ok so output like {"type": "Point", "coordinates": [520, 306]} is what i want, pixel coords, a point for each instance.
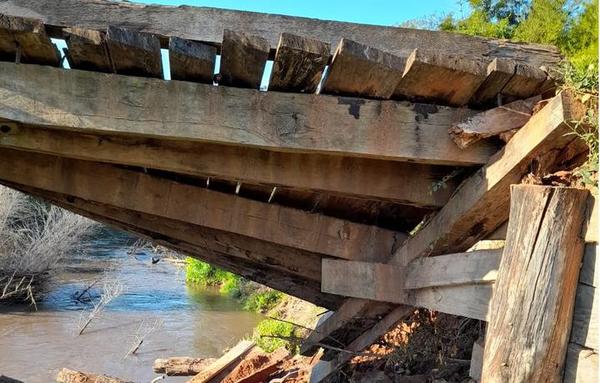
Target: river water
{"type": "Point", "coordinates": [196, 322]}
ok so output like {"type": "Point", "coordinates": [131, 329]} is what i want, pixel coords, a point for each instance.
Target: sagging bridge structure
{"type": "Point", "coordinates": [357, 180]}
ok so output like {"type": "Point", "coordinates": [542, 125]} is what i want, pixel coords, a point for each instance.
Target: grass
{"type": "Point", "coordinates": [271, 334]}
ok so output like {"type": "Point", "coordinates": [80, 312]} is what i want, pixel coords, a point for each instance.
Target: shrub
{"type": "Point", "coordinates": [267, 333]}
{"type": "Point", "coordinates": [263, 301]}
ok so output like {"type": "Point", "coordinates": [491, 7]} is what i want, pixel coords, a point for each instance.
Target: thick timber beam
{"type": "Point", "coordinates": [50, 97]}
{"type": "Point", "coordinates": [481, 203]}
{"type": "Point", "coordinates": [207, 25]}
{"type": "Point", "coordinates": [255, 260]}
{"type": "Point", "coordinates": [197, 205]}
{"type": "Point", "coordinates": [534, 296]}
{"type": "Point", "coordinates": [400, 182]}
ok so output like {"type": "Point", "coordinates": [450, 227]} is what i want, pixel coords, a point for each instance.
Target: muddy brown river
{"type": "Point", "coordinates": [197, 322]}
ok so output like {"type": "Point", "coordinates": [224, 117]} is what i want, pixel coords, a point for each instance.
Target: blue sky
{"type": "Point", "coordinates": [379, 12]}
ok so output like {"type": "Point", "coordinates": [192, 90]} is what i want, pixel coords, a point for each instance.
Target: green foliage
{"type": "Point", "coordinates": [269, 333]}
{"type": "Point", "coordinates": [204, 274]}
{"type": "Point", "coordinates": [263, 301]}
{"type": "Point", "coordinates": [545, 22]}
{"type": "Point", "coordinates": [478, 24]}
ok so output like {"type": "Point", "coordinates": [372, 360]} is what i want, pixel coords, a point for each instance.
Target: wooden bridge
{"type": "Point", "coordinates": [356, 180]}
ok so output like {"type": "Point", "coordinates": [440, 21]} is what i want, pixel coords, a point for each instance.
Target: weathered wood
{"type": "Point", "coordinates": [534, 295]}
{"type": "Point", "coordinates": [299, 63]}
{"type": "Point", "coordinates": [481, 203]}
{"type": "Point", "coordinates": [26, 38]}
{"type": "Point", "coordinates": [360, 70]}
{"type": "Point", "coordinates": [220, 364]}
{"type": "Point", "coordinates": [181, 366]}
{"type": "Point", "coordinates": [134, 53]}
{"type": "Point", "coordinates": [586, 316]}
{"type": "Point", "coordinates": [477, 360]}
{"type": "Point", "coordinates": [254, 261]}
{"type": "Point", "coordinates": [581, 365]}
{"type": "Point", "coordinates": [243, 59]}
{"type": "Point", "coordinates": [207, 25]}
{"type": "Point", "coordinates": [87, 50]}
{"type": "Point", "coordinates": [191, 61]}
{"type": "Point", "coordinates": [367, 178]}
{"type": "Point", "coordinates": [257, 368]}
{"type": "Point", "coordinates": [436, 77]}
{"type": "Point", "coordinates": [492, 122]}
{"type": "Point", "coordinates": [525, 82]}
{"type": "Point", "coordinates": [70, 376]}
{"type": "Point", "coordinates": [471, 301]}
{"type": "Point", "coordinates": [198, 205]}
{"type": "Point", "coordinates": [278, 121]}
{"type": "Point", "coordinates": [499, 72]}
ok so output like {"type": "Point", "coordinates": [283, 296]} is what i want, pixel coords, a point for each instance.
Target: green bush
{"type": "Point", "coordinates": [263, 301]}
{"type": "Point", "coordinates": [264, 332]}
{"type": "Point", "coordinates": [204, 274]}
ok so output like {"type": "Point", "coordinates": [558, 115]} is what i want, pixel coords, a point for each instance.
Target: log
{"type": "Point", "coordinates": [534, 295]}
{"type": "Point", "coordinates": [360, 70]}
{"type": "Point", "coordinates": [191, 61]}
{"type": "Point", "coordinates": [179, 110]}
{"type": "Point", "coordinates": [298, 65]}
{"type": "Point", "coordinates": [231, 356]}
{"type": "Point", "coordinates": [492, 122]}
{"type": "Point", "coordinates": [71, 376]}
{"type": "Point", "coordinates": [207, 25]}
{"type": "Point", "coordinates": [134, 53]}
{"type": "Point", "coordinates": [181, 366]}
{"type": "Point", "coordinates": [243, 59]}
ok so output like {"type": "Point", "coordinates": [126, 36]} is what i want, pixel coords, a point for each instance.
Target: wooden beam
{"type": "Point", "coordinates": [360, 70]}
{"type": "Point", "coordinates": [499, 72]}
{"type": "Point", "coordinates": [88, 50]}
{"type": "Point", "coordinates": [298, 65]}
{"type": "Point", "coordinates": [359, 177]}
{"type": "Point", "coordinates": [26, 38]}
{"type": "Point", "coordinates": [191, 61]}
{"type": "Point", "coordinates": [207, 25]}
{"type": "Point", "coordinates": [476, 360]}
{"type": "Point", "coordinates": [492, 122]}
{"type": "Point", "coordinates": [525, 82]}
{"type": "Point", "coordinates": [197, 205]}
{"type": "Point", "coordinates": [243, 59]}
{"type": "Point", "coordinates": [220, 364]}
{"type": "Point", "coordinates": [255, 260]}
{"type": "Point", "coordinates": [124, 105]}
{"type": "Point", "coordinates": [445, 79]}
{"type": "Point", "coordinates": [481, 203]}
{"type": "Point", "coordinates": [134, 53]}
{"type": "Point", "coordinates": [534, 295]}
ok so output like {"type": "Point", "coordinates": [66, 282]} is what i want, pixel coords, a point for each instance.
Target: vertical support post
{"type": "Point", "coordinates": [534, 295]}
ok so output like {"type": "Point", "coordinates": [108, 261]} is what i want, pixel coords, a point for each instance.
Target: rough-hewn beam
{"type": "Point", "coordinates": [197, 205]}
{"type": "Point", "coordinates": [409, 184]}
{"type": "Point", "coordinates": [48, 96]}
{"type": "Point", "coordinates": [534, 296]}
{"type": "Point", "coordinates": [207, 24]}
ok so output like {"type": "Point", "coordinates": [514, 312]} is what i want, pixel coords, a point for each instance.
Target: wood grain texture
{"type": "Point", "coordinates": [29, 35]}
{"type": "Point", "coordinates": [581, 365]}
{"type": "Point", "coordinates": [134, 53]}
{"type": "Point", "coordinates": [231, 356]}
{"type": "Point", "coordinates": [87, 50]}
{"type": "Point", "coordinates": [492, 122]}
{"type": "Point", "coordinates": [445, 79]}
{"type": "Point", "coordinates": [207, 25]}
{"type": "Point", "coordinates": [499, 72]}
{"type": "Point", "coordinates": [360, 70]}
{"type": "Point", "coordinates": [278, 121]}
{"type": "Point", "coordinates": [525, 82]}
{"type": "Point", "coordinates": [298, 65]}
{"type": "Point", "coordinates": [170, 199]}
{"type": "Point", "coordinates": [359, 177]}
{"type": "Point", "coordinates": [191, 61]}
{"type": "Point", "coordinates": [243, 59]}
{"type": "Point", "coordinates": [534, 295]}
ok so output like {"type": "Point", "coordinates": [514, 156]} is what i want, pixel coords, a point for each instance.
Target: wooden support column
{"type": "Point", "coordinates": [532, 306]}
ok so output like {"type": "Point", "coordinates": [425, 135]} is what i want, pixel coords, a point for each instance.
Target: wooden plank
{"type": "Point", "coordinates": [368, 178]}
{"type": "Point", "coordinates": [299, 63]}
{"type": "Point", "coordinates": [435, 77]}
{"type": "Point", "coordinates": [191, 61]}
{"type": "Point", "coordinates": [207, 25]}
{"type": "Point", "coordinates": [526, 81]}
{"type": "Point", "coordinates": [198, 205]}
{"type": "Point", "coordinates": [87, 50]}
{"type": "Point", "coordinates": [29, 35]}
{"type": "Point", "coordinates": [247, 371]}
{"type": "Point", "coordinates": [360, 70]}
{"type": "Point", "coordinates": [581, 365]}
{"type": "Point", "coordinates": [477, 360]}
{"type": "Point", "coordinates": [197, 112]}
{"type": "Point", "coordinates": [481, 203]}
{"type": "Point", "coordinates": [492, 122]}
{"type": "Point", "coordinates": [585, 317]}
{"type": "Point", "coordinates": [134, 53]}
{"type": "Point", "coordinates": [590, 268]}
{"type": "Point", "coordinates": [471, 301]}
{"type": "Point", "coordinates": [499, 72]}
{"type": "Point", "coordinates": [528, 332]}
{"type": "Point", "coordinates": [253, 260]}
{"type": "Point", "coordinates": [223, 362]}
{"type": "Point", "coordinates": [243, 59]}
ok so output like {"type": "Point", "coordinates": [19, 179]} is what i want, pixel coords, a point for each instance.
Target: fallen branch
{"type": "Point", "coordinates": [110, 291]}
{"type": "Point", "coordinates": [181, 366]}
{"type": "Point", "coordinates": [71, 376]}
